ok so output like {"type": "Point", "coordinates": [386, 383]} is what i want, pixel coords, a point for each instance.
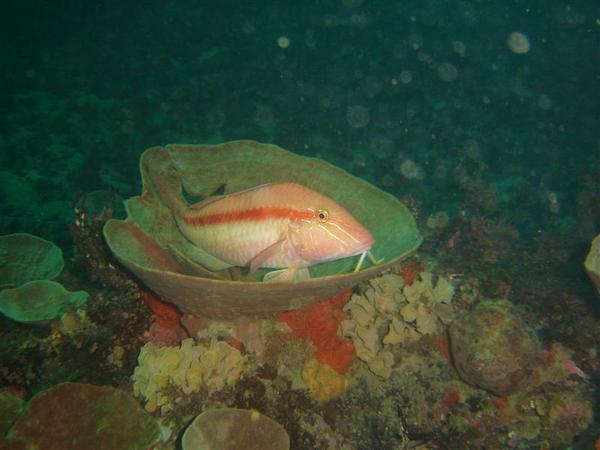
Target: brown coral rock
{"type": "Point", "coordinates": [76, 416]}
{"type": "Point", "coordinates": [492, 348]}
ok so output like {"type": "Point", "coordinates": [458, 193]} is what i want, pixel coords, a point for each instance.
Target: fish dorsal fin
{"type": "Point", "coordinates": [203, 203]}
{"type": "Point", "coordinates": [213, 198]}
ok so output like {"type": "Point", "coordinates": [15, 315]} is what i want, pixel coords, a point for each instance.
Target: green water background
{"type": "Point", "coordinates": [365, 85]}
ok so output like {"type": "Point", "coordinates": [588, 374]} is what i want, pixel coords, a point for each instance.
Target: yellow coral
{"type": "Point", "coordinates": [188, 367]}
{"type": "Point", "coordinates": [323, 382]}
{"type": "Point", "coordinates": [194, 377]}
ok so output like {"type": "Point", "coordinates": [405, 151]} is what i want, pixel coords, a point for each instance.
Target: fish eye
{"type": "Point", "coordinates": [322, 215]}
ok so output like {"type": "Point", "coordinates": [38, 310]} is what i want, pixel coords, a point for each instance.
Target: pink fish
{"type": "Point", "coordinates": [281, 226]}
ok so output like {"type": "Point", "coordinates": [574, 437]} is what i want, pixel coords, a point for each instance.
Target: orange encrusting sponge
{"type": "Point", "coordinates": [166, 329]}
{"type": "Point", "coordinates": [319, 324]}
{"type": "Point", "coordinates": [161, 310]}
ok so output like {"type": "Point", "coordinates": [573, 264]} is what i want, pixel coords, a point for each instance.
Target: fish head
{"type": "Point", "coordinates": [330, 232]}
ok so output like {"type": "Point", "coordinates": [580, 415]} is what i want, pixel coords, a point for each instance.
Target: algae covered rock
{"type": "Point", "coordinates": [24, 258]}
{"type": "Point", "coordinates": [492, 348]}
{"type": "Point", "coordinates": [76, 416]}
{"type": "Point", "coordinates": [39, 301]}
{"type": "Point", "coordinates": [234, 429]}
{"type": "Point", "coordinates": [150, 244]}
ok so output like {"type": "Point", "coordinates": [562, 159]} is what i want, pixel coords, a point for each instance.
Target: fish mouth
{"type": "Point", "coordinates": [364, 243]}
{"type": "Point", "coordinates": [363, 249]}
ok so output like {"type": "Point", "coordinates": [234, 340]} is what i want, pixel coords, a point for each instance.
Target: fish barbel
{"type": "Point", "coordinates": [281, 226]}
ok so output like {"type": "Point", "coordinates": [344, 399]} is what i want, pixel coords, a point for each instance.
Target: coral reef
{"type": "Point", "coordinates": [554, 406]}
{"type": "Point", "coordinates": [492, 348]}
{"type": "Point", "coordinates": [232, 429]}
{"type": "Point", "coordinates": [188, 368]}
{"type": "Point", "coordinates": [424, 400]}
{"type": "Point", "coordinates": [390, 312]}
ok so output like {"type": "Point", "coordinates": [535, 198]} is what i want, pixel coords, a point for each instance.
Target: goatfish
{"type": "Point", "coordinates": [284, 226]}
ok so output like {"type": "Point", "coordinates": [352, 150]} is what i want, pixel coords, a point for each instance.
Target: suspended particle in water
{"type": "Point", "coordinates": [459, 47]}
{"type": "Point", "coordinates": [283, 42]}
{"type": "Point", "coordinates": [359, 20]}
{"type": "Point", "coordinates": [357, 116]}
{"type": "Point", "coordinates": [518, 43]}
{"type": "Point", "coordinates": [415, 41]}
{"type": "Point", "coordinates": [248, 28]}
{"type": "Point", "coordinates": [411, 112]}
{"type": "Point", "coordinates": [411, 170]}
{"type": "Point", "coordinates": [382, 147]}
{"type": "Point", "coordinates": [447, 72]}
{"type": "Point", "coordinates": [553, 203]}
{"type": "Point", "coordinates": [330, 21]}
{"type": "Point", "coordinates": [309, 39]}
{"type": "Point", "coordinates": [372, 86]}
{"type": "Point", "coordinates": [425, 58]}
{"type": "Point", "coordinates": [544, 102]}
{"type": "Point", "coordinates": [438, 220]}
{"type": "Point", "coordinates": [406, 76]}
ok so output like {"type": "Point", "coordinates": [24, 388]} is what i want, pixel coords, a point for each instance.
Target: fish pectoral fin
{"type": "Point", "coordinates": [259, 259]}
{"type": "Point", "coordinates": [291, 274]}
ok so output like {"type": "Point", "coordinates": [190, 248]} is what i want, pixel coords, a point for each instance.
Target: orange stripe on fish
{"type": "Point", "coordinates": [250, 214]}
